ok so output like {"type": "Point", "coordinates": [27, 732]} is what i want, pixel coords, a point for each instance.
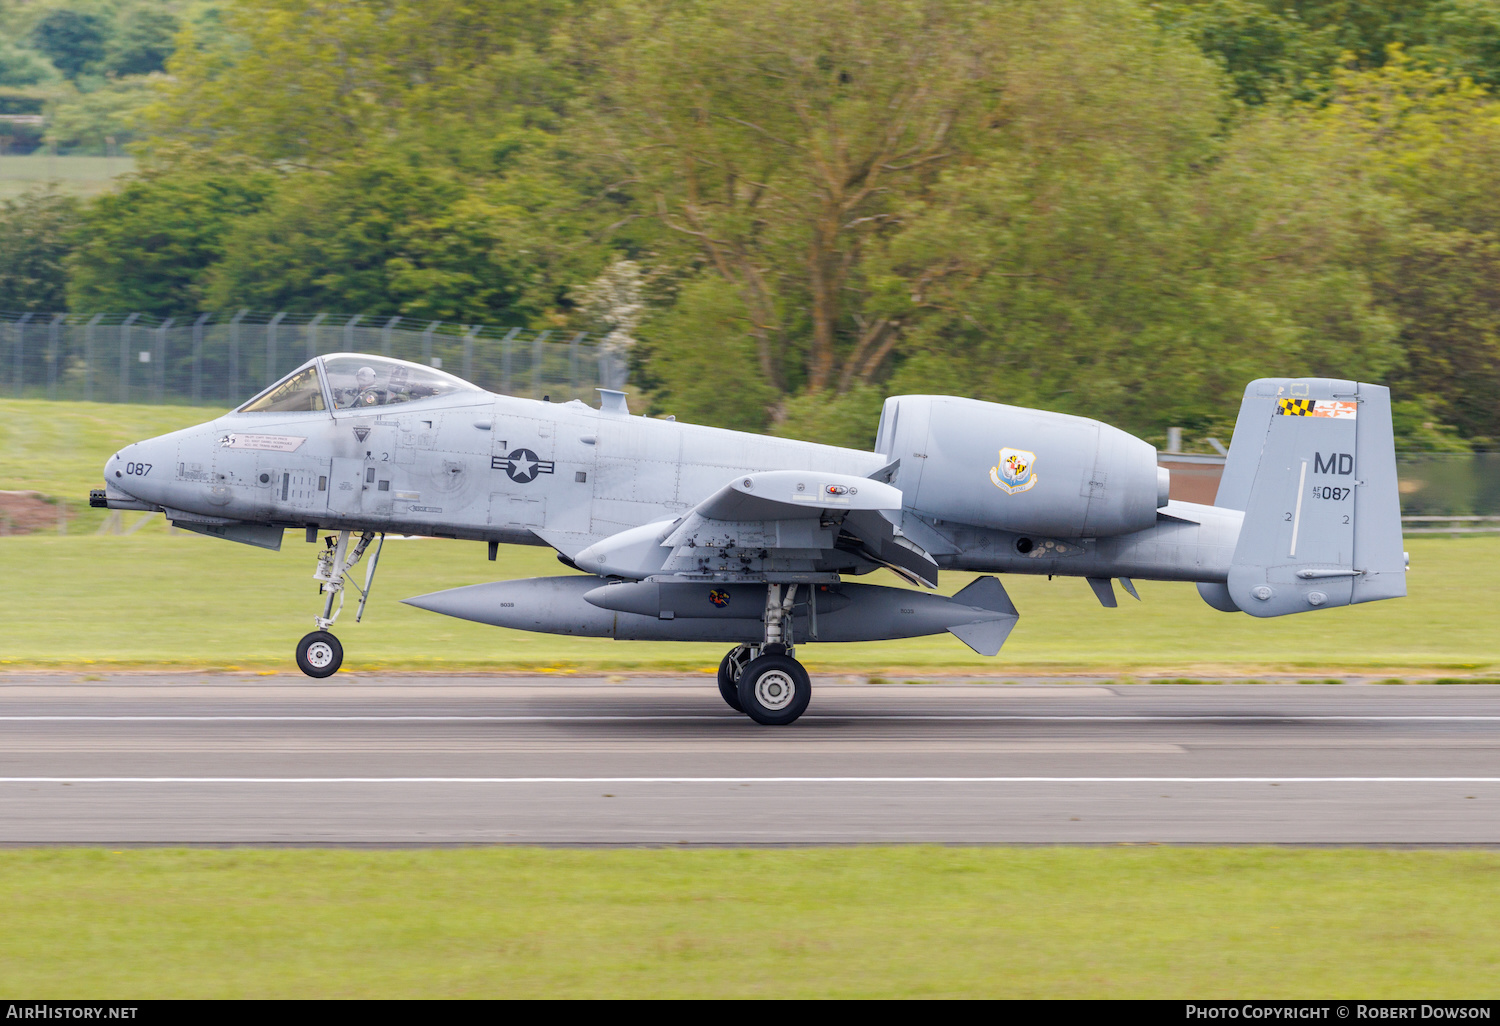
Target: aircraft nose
{"type": "Point", "coordinates": [135, 468]}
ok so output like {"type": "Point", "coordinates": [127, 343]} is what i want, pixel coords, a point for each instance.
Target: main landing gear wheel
{"type": "Point", "coordinates": [774, 690]}
{"type": "Point", "coordinates": [319, 654]}
{"type": "Point", "coordinates": [730, 668]}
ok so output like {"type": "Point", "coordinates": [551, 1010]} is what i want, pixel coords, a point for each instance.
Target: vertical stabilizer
{"type": "Point", "coordinates": [1313, 466]}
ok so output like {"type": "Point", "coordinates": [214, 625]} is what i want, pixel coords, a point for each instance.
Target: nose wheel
{"type": "Point", "coordinates": [319, 654]}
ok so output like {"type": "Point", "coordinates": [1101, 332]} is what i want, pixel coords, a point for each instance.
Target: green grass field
{"type": "Point", "coordinates": [76, 176]}
{"type": "Point", "coordinates": [59, 448]}
{"type": "Point", "coordinates": [866, 922]}
{"type": "Point", "coordinates": [158, 599]}
{"type": "Point", "coordinates": [153, 599]}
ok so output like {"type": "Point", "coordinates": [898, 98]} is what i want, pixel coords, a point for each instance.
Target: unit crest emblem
{"type": "Point", "coordinates": [1014, 471]}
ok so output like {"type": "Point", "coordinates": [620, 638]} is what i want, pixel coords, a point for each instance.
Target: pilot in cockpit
{"type": "Point", "coordinates": [366, 394]}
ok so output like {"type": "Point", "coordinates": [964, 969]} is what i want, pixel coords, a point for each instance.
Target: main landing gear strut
{"type": "Point", "coordinates": [763, 681]}
{"type": "Point", "coordinates": [319, 653]}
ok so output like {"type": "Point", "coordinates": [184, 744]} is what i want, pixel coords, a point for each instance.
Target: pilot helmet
{"type": "Point", "coordinates": [365, 377]}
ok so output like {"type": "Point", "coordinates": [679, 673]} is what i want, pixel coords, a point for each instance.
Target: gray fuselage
{"type": "Point", "coordinates": [474, 465]}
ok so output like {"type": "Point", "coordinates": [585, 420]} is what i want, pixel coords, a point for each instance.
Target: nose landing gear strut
{"type": "Point", "coordinates": [319, 653]}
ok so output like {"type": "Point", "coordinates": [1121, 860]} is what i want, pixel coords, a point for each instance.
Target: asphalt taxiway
{"type": "Point", "coordinates": [401, 759]}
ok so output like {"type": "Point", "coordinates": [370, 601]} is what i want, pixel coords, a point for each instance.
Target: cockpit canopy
{"type": "Point", "coordinates": [347, 381]}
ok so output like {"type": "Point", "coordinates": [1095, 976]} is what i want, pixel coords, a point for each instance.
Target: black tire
{"type": "Point", "coordinates": [319, 654]}
{"type": "Point", "coordinates": [763, 694]}
{"type": "Point", "coordinates": [729, 678]}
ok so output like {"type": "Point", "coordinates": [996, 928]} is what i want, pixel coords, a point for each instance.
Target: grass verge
{"type": "Point", "coordinates": [872, 922]}
{"type": "Point", "coordinates": [157, 600]}
{"type": "Point", "coordinates": [59, 448]}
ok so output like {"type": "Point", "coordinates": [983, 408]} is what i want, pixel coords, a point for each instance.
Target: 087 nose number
{"type": "Point", "coordinates": [138, 469]}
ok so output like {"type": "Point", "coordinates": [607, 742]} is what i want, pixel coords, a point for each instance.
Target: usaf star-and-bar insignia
{"type": "Point", "coordinates": [522, 465]}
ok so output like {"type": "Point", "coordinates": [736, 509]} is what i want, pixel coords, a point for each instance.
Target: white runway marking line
{"type": "Point", "coordinates": [647, 718]}
{"type": "Point", "coordinates": [749, 780]}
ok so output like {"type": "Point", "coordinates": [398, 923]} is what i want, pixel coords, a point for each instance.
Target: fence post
{"type": "Point", "coordinates": [198, 357]}
{"type": "Point", "coordinates": [88, 357]}
{"type": "Point", "coordinates": [385, 336]}
{"type": "Point", "coordinates": [20, 337]}
{"type": "Point", "coordinates": [125, 357]}
{"type": "Point", "coordinates": [536, 363]}
{"type": "Point", "coordinates": [312, 335]}
{"type": "Point", "coordinates": [271, 346]}
{"type": "Point", "coordinates": [160, 390]}
{"type": "Point", "coordinates": [234, 354]}
{"type": "Point", "coordinates": [54, 345]}
{"type": "Point", "coordinates": [427, 342]}
{"type": "Point", "coordinates": [573, 362]}
{"type": "Point", "coordinates": [505, 360]}
{"type": "Point", "coordinates": [349, 332]}
{"type": "Point", "coordinates": [469, 333]}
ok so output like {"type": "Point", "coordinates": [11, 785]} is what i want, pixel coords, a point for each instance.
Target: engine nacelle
{"type": "Point", "coordinates": [1014, 469]}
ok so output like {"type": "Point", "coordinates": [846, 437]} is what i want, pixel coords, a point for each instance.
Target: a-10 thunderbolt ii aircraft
{"type": "Point", "coordinates": [691, 533]}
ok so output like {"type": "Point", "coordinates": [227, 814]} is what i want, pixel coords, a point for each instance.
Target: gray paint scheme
{"type": "Point", "coordinates": [1322, 511]}
{"type": "Point", "coordinates": [683, 506]}
{"type": "Point", "coordinates": [562, 605]}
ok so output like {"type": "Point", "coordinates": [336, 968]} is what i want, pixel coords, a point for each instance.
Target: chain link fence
{"type": "Point", "coordinates": [224, 359]}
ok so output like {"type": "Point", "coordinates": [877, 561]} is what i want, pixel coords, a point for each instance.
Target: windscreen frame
{"type": "Point", "coordinates": [316, 364]}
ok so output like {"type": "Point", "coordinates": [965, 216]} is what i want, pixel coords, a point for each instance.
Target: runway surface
{"type": "Point", "coordinates": [186, 758]}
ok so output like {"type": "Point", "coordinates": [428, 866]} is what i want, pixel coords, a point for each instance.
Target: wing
{"type": "Point", "coordinates": [773, 525]}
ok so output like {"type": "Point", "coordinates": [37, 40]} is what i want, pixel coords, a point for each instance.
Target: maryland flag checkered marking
{"type": "Point", "coordinates": [1334, 408]}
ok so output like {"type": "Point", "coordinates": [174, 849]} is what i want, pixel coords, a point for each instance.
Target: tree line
{"type": "Point", "coordinates": [1112, 208]}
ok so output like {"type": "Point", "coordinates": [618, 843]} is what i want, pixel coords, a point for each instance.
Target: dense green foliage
{"type": "Point", "coordinates": [35, 238]}
{"type": "Point", "coordinates": [1113, 208]}
{"type": "Point", "coordinates": [93, 61]}
{"type": "Point", "coordinates": [152, 245]}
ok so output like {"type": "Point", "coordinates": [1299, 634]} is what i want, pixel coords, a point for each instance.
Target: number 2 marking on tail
{"type": "Point", "coordinates": [1297, 517]}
